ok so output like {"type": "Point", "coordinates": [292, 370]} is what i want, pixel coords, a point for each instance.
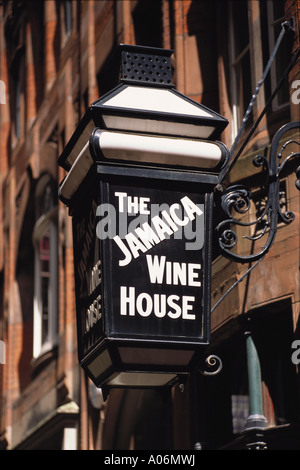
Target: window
{"type": "Point", "coordinates": [45, 268]}
{"type": "Point", "coordinates": [68, 16]}
{"type": "Point", "coordinates": [227, 394]}
{"type": "Point", "coordinates": [275, 12]}
{"type": "Point", "coordinates": [17, 94]}
{"type": "Point", "coordinates": [260, 200]}
{"type": "Point", "coordinates": [239, 57]}
{"type": "Point", "coordinates": [147, 20]}
{"type": "Point", "coordinates": [16, 47]}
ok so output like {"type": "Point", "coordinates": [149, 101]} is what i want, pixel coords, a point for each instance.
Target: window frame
{"type": "Point", "coordinates": [271, 24]}
{"type": "Point", "coordinates": [236, 90]}
{"type": "Point", "coordinates": [46, 222]}
{"type": "Point", "coordinates": [17, 110]}
{"type": "Point", "coordinates": [66, 20]}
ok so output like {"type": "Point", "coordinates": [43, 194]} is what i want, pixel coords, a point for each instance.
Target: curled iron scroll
{"type": "Point", "coordinates": [212, 365]}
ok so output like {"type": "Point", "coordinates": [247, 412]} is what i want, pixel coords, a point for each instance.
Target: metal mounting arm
{"type": "Point", "coordinates": [238, 198]}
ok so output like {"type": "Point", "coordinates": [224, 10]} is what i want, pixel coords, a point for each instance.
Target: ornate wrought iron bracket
{"type": "Point", "coordinates": [238, 198]}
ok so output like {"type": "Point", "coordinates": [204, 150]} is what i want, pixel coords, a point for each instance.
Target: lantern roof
{"type": "Point", "coordinates": [144, 102]}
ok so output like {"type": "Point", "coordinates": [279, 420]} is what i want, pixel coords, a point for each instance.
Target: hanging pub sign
{"type": "Point", "coordinates": [156, 265]}
{"type": "Point", "coordinates": [141, 169]}
{"type": "Point", "coordinates": [141, 257]}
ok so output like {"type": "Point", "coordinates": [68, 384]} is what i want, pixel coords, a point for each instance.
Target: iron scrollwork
{"type": "Point", "coordinates": [238, 198]}
{"type": "Point", "coordinates": [212, 365]}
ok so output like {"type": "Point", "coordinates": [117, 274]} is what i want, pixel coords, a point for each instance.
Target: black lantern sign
{"type": "Point", "coordinates": [141, 202]}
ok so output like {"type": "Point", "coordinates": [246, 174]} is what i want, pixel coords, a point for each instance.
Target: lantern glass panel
{"type": "Point", "coordinates": [100, 364]}
{"type": "Point", "coordinates": [139, 379]}
{"type": "Point", "coordinates": [166, 357]}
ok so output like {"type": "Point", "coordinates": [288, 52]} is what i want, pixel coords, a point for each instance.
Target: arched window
{"type": "Point", "coordinates": [45, 268]}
